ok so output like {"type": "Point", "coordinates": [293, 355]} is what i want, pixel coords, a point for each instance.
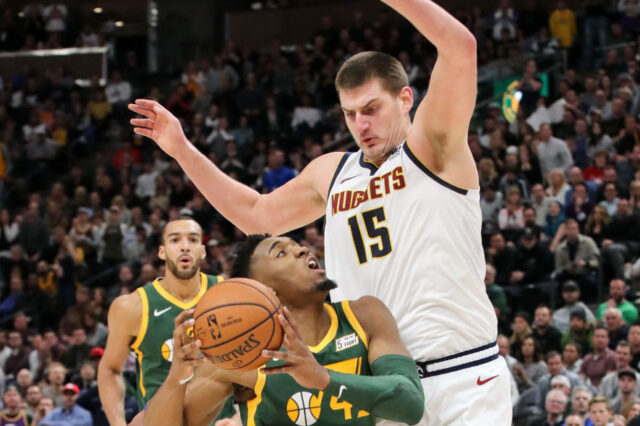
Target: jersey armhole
{"type": "Point", "coordinates": [346, 308]}
{"type": "Point", "coordinates": [145, 319]}
{"type": "Point", "coordinates": [343, 160]}
{"type": "Point", "coordinates": [252, 405]}
{"type": "Point", "coordinates": [428, 172]}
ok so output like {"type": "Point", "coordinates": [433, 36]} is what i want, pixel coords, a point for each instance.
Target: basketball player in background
{"type": "Point", "coordinates": [402, 214]}
{"type": "Point", "coordinates": [331, 349]}
{"type": "Point", "coordinates": [143, 320]}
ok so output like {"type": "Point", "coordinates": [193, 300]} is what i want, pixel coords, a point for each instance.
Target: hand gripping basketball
{"type": "Point", "coordinates": [300, 362]}
{"type": "Point", "coordinates": [185, 349]}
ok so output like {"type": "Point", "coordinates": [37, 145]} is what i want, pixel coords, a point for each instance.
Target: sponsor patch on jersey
{"type": "Point", "coordinates": [346, 341]}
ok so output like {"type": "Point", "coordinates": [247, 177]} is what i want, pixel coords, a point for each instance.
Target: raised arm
{"type": "Point", "coordinates": [124, 318]}
{"type": "Point", "coordinates": [297, 203]}
{"type": "Point", "coordinates": [440, 126]}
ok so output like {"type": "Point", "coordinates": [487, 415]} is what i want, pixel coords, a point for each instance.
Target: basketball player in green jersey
{"type": "Point", "coordinates": [344, 362]}
{"type": "Point", "coordinates": [143, 321]}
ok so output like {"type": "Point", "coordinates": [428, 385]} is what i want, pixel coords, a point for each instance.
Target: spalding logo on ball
{"type": "Point", "coordinates": [235, 320]}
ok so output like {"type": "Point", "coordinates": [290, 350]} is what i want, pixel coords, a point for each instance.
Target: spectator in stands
{"type": "Point", "coordinates": [32, 400]}
{"type": "Point", "coordinates": [521, 329]}
{"type": "Point", "coordinates": [580, 205]}
{"type": "Point", "coordinates": [577, 259]}
{"type": "Point", "coordinates": [611, 199]}
{"type": "Point", "coordinates": [609, 384]}
{"type": "Point", "coordinates": [69, 412]}
{"type": "Point", "coordinates": [555, 406]}
{"type": "Point", "coordinates": [504, 351]}
{"type": "Point", "coordinates": [634, 344]}
{"type": "Point", "coordinates": [602, 360]}
{"type": "Point", "coordinates": [546, 335]}
{"type": "Point", "coordinates": [533, 260]}
{"type": "Point", "coordinates": [596, 226]}
{"type": "Point", "coordinates": [552, 152]}
{"type": "Point", "coordinates": [490, 205]}
{"type": "Point", "coordinates": [563, 24]}
{"type": "Point", "coordinates": [55, 377]}
{"type": "Point", "coordinates": [277, 174]}
{"type": "Point", "coordinates": [497, 297]}
{"type": "Point", "coordinates": [617, 289]}
{"type": "Point", "coordinates": [540, 202]}
{"type": "Point", "coordinates": [580, 403]}
{"type": "Point", "coordinates": [502, 256]}
{"type": "Point", "coordinates": [558, 186]}
{"type": "Point", "coordinates": [618, 330]}
{"type": "Point", "coordinates": [44, 408]}
{"type": "Point", "coordinates": [628, 383]}
{"type": "Point", "coordinates": [599, 411]}
{"type": "Point", "coordinates": [78, 351]}
{"type": "Point", "coordinates": [13, 412]}
{"type": "Point", "coordinates": [510, 220]}
{"type": "Point", "coordinates": [571, 357]}
{"type": "Point", "coordinates": [621, 240]}
{"type": "Point", "coordinates": [530, 367]}
{"type": "Point", "coordinates": [118, 92]}
{"type": "Point", "coordinates": [556, 367]}
{"type": "Point", "coordinates": [504, 22]}
{"type": "Point", "coordinates": [554, 227]}
{"type": "Point", "coordinates": [580, 331]}
{"type": "Point", "coordinates": [573, 419]}
{"type": "Point", "coordinates": [19, 357]}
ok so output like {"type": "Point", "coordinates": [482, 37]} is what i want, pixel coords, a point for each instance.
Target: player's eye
{"type": "Point", "coordinates": [281, 253]}
{"type": "Point", "coordinates": [370, 110]}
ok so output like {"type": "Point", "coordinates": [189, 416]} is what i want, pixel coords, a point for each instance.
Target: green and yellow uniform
{"type": "Point", "coordinates": [154, 345]}
{"type": "Point", "coordinates": [281, 401]}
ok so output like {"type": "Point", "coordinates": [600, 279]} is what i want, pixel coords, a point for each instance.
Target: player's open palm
{"type": "Point", "coordinates": [300, 362]}
{"type": "Point", "coordinates": [159, 124]}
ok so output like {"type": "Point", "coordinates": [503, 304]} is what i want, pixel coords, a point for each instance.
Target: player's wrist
{"type": "Point", "coordinates": [324, 379]}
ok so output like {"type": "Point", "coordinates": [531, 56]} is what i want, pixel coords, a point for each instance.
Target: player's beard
{"type": "Point", "coordinates": [326, 285]}
{"type": "Point", "coordinates": [184, 274]}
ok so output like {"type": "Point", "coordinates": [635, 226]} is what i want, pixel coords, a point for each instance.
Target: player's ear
{"type": "Point", "coordinates": [406, 99]}
{"type": "Point", "coordinates": [161, 253]}
{"type": "Point", "coordinates": [203, 250]}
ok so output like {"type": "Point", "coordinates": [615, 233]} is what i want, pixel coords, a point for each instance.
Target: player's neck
{"type": "Point", "coordinates": [313, 322]}
{"type": "Point", "coordinates": [183, 290]}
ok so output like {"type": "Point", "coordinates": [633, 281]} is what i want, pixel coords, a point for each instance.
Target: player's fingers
{"type": "Point", "coordinates": [278, 370]}
{"type": "Point", "coordinates": [280, 355]}
{"type": "Point", "coordinates": [148, 103]}
{"type": "Point", "coordinates": [291, 339]}
{"type": "Point", "coordinates": [289, 318]}
{"type": "Point", "coordinates": [142, 122]}
{"type": "Point", "coordinates": [149, 113]}
{"type": "Point", "coordinates": [182, 316]}
{"type": "Point", "coordinates": [143, 132]}
{"type": "Point", "coordinates": [189, 348]}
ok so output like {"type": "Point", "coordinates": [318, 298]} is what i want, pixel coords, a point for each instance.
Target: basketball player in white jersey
{"type": "Point", "coordinates": [402, 214]}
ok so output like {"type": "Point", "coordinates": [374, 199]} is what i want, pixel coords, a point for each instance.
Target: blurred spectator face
{"type": "Point", "coordinates": [542, 317]}
{"type": "Point", "coordinates": [51, 338]}
{"type": "Point", "coordinates": [147, 273]}
{"type": "Point", "coordinates": [600, 159]}
{"type": "Point", "coordinates": [79, 336]}
{"type": "Point", "coordinates": [529, 216]}
{"type": "Point", "coordinates": [490, 275]}
{"type": "Point", "coordinates": [580, 191]}
{"type": "Point", "coordinates": [600, 339]}
{"type": "Point", "coordinates": [114, 215]}
{"type": "Point", "coordinates": [82, 296]}
{"type": "Point", "coordinates": [45, 405]}
{"type": "Point", "coordinates": [634, 411]}
{"type": "Point", "coordinates": [87, 372]}
{"type": "Point", "coordinates": [276, 158]}
{"type": "Point", "coordinates": [20, 322]}
{"type": "Point", "coordinates": [497, 242]}
{"type": "Point", "coordinates": [24, 378]}
{"type": "Point", "coordinates": [623, 356]}
{"type": "Point", "coordinates": [519, 325]}
{"type": "Point", "coordinates": [562, 388]}
{"type": "Point", "coordinates": [556, 402]}
{"type": "Point", "coordinates": [554, 209]}
{"type": "Point", "coordinates": [627, 385]}
{"type": "Point", "coordinates": [56, 374]}
{"type": "Point", "coordinates": [68, 399]}
{"type": "Point", "coordinates": [15, 340]}
{"type": "Point", "coordinates": [16, 252]}
{"type": "Point", "coordinates": [545, 132]}
{"type": "Point", "coordinates": [538, 192]}
{"type": "Point", "coordinates": [623, 208]}
{"type": "Point", "coordinates": [576, 324]}
{"type": "Point", "coordinates": [16, 285]}
{"type": "Point", "coordinates": [616, 290]}
{"type": "Point", "coordinates": [503, 345]}
{"type": "Point", "coordinates": [634, 335]}
{"type": "Point", "coordinates": [613, 321]}
{"type": "Point", "coordinates": [11, 399]}
{"type": "Point", "coordinates": [581, 127]}
{"type": "Point", "coordinates": [575, 175]}
{"type": "Point", "coordinates": [555, 365]}
{"type": "Point", "coordinates": [580, 401]}
{"type": "Point", "coordinates": [630, 123]}
{"type": "Point", "coordinates": [570, 296]}
{"type": "Point", "coordinates": [573, 420]}
{"type": "Point", "coordinates": [33, 395]}
{"type": "Point", "coordinates": [573, 230]}
{"type": "Point", "coordinates": [125, 274]}
{"type": "Point", "coordinates": [570, 354]}
{"type": "Point", "coordinates": [311, 235]}
{"type": "Point", "coordinates": [528, 347]}
{"type": "Point", "coordinates": [610, 192]}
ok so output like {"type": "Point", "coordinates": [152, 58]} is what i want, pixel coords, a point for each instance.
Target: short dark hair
{"type": "Point", "coordinates": [365, 66]}
{"type": "Point", "coordinates": [177, 218]}
{"type": "Point", "coordinates": [241, 266]}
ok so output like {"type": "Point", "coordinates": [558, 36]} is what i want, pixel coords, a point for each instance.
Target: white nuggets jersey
{"type": "Point", "coordinates": [404, 235]}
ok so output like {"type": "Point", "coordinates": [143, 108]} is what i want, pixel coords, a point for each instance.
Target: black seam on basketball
{"type": "Point", "coordinates": [273, 330]}
{"type": "Point", "coordinates": [232, 304]}
{"type": "Point", "coordinates": [230, 280]}
{"type": "Point", "coordinates": [246, 331]}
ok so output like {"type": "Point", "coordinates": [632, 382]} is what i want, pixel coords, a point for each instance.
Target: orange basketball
{"type": "Point", "coordinates": [235, 320]}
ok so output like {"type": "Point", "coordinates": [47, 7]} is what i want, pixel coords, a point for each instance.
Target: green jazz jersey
{"type": "Point", "coordinates": [154, 344]}
{"type": "Point", "coordinates": [281, 401]}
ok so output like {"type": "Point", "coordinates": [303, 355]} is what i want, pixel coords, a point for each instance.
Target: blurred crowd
{"type": "Point", "coordinates": [83, 200]}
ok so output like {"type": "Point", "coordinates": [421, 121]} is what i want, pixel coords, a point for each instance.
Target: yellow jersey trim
{"type": "Point", "coordinates": [252, 406]}
{"type": "Point", "coordinates": [346, 307]}
{"type": "Point", "coordinates": [182, 305]}
{"type": "Point", "coordinates": [143, 331]}
{"type": "Point", "coordinates": [331, 334]}
{"type": "Point", "coordinates": [431, 171]}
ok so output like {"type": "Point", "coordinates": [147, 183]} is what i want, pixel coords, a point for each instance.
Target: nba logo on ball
{"type": "Point", "coordinates": [214, 328]}
{"type": "Point", "coordinates": [303, 408]}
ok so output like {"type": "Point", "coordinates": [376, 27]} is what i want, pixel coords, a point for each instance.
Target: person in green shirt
{"type": "Point", "coordinates": [616, 299]}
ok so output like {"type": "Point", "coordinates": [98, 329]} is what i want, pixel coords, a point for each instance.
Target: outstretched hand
{"type": "Point", "coordinates": [300, 362]}
{"type": "Point", "coordinates": [159, 125]}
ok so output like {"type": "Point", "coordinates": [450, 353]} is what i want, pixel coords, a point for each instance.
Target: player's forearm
{"type": "Point", "coordinates": [450, 36]}
{"type": "Point", "coordinates": [166, 406]}
{"type": "Point", "coordinates": [394, 392]}
{"type": "Point", "coordinates": [111, 388]}
{"type": "Point", "coordinates": [234, 200]}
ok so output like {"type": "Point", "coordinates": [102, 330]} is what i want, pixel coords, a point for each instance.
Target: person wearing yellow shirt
{"type": "Point", "coordinates": [562, 23]}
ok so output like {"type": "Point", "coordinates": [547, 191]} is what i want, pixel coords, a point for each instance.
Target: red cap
{"type": "Point", "coordinates": [71, 387]}
{"type": "Point", "coordinates": [96, 352]}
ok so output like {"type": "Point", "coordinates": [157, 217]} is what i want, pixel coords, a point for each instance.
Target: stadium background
{"type": "Point", "coordinates": [83, 200]}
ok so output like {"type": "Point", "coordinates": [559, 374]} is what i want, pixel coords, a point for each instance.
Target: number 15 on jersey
{"type": "Point", "coordinates": [378, 241]}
